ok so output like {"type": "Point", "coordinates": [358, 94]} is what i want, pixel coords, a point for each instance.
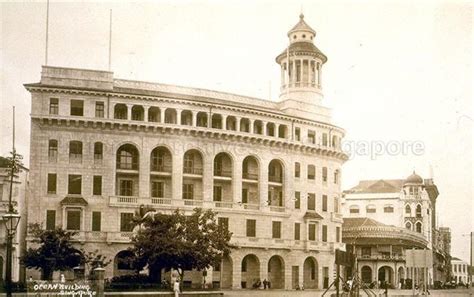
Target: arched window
{"type": "Point", "coordinates": [186, 118]}
{"type": "Point", "coordinates": [154, 114]}
{"type": "Point", "coordinates": [258, 127]}
{"type": "Point", "coordinates": [127, 157]}
{"type": "Point", "coordinates": [137, 113]}
{"type": "Point", "coordinates": [418, 211]}
{"type": "Point", "coordinates": [120, 111]}
{"type": "Point", "coordinates": [325, 174]}
{"type": "Point", "coordinates": [282, 131]}
{"type": "Point", "coordinates": [336, 176]}
{"type": "Point", "coordinates": [231, 123]}
{"type": "Point", "coordinates": [270, 129]}
{"type": "Point", "coordinates": [244, 125]}
{"type": "Point", "coordinates": [170, 116]}
{"type": "Point", "coordinates": [408, 225]}
{"type": "Point", "coordinates": [223, 165]}
{"type": "Point", "coordinates": [201, 119]}
{"type": "Point", "coordinates": [408, 210]}
{"type": "Point", "coordinates": [216, 121]}
{"type": "Point", "coordinates": [371, 208]}
{"type": "Point", "coordinates": [419, 227]}
{"type": "Point", "coordinates": [160, 160]}
{"type": "Point", "coordinates": [354, 209]}
{"type": "Point", "coordinates": [334, 141]}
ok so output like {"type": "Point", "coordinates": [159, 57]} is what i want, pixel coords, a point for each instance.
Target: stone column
{"type": "Point", "coordinates": [208, 177]}
{"type": "Point", "coordinates": [237, 180]}
{"type": "Point", "coordinates": [251, 126]}
{"type": "Point", "coordinates": [301, 72]}
{"type": "Point", "coordinates": [293, 72]}
{"type": "Point", "coordinates": [178, 116]}
{"type": "Point", "coordinates": [224, 122]}
{"type": "Point", "coordinates": [319, 75]}
{"type": "Point", "coordinates": [144, 172]}
{"type": "Point", "coordinates": [194, 122]}
{"type": "Point", "coordinates": [99, 274]}
{"type": "Point", "coordinates": [237, 124]}
{"type": "Point", "coordinates": [129, 111]}
{"type": "Point", "coordinates": [145, 114]}
{"type": "Point", "coordinates": [237, 273]}
{"type": "Point", "coordinates": [264, 128]}
{"type": "Point", "coordinates": [282, 79]}
{"type": "Point", "coordinates": [162, 115]}
{"type": "Point", "coordinates": [177, 175]}
{"type": "Point", "coordinates": [263, 184]}
{"type": "Point", "coordinates": [264, 269]}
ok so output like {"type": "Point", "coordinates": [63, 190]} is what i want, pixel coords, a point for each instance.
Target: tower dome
{"type": "Point", "coordinates": [413, 179]}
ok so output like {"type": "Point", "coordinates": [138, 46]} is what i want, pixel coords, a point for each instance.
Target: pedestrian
{"type": "Point", "coordinates": [265, 284]}
{"type": "Point", "coordinates": [386, 288]}
{"type": "Point", "coordinates": [176, 288]}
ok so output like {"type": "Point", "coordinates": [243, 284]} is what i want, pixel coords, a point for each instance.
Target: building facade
{"type": "Point", "coordinates": [403, 203]}
{"type": "Point", "coordinates": [19, 201]}
{"type": "Point", "coordinates": [380, 251]}
{"type": "Point", "coordinates": [101, 147]}
{"type": "Point", "coordinates": [460, 271]}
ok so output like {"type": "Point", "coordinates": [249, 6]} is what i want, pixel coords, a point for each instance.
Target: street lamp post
{"type": "Point", "coordinates": [11, 220]}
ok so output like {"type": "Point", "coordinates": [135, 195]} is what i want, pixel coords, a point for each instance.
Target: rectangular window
{"type": "Point", "coordinates": [99, 109]}
{"type": "Point", "coordinates": [371, 209]}
{"type": "Point", "coordinates": [276, 229]}
{"type": "Point", "coordinates": [338, 234]}
{"type": "Point", "coordinates": [50, 219]}
{"type": "Point", "coordinates": [52, 181]}
{"type": "Point", "coordinates": [297, 134]}
{"type": "Point", "coordinates": [311, 172]}
{"type": "Point", "coordinates": [73, 220]}
{"type": "Point", "coordinates": [126, 222]}
{"type": "Point", "coordinates": [126, 187]}
{"type": "Point", "coordinates": [311, 201]}
{"type": "Point", "coordinates": [325, 233]}
{"type": "Point", "coordinates": [217, 195]}
{"type": "Point", "coordinates": [297, 200]}
{"type": "Point", "coordinates": [98, 151]}
{"type": "Point", "coordinates": [74, 184]}
{"type": "Point", "coordinates": [75, 151]}
{"type": "Point", "coordinates": [354, 209]}
{"type": "Point", "coordinates": [325, 139]}
{"type": "Point", "coordinates": [251, 228]}
{"type": "Point", "coordinates": [77, 107]}
{"type": "Point", "coordinates": [311, 137]}
{"type": "Point", "coordinates": [52, 149]}
{"type": "Point", "coordinates": [388, 209]}
{"type": "Point", "coordinates": [325, 203]}
{"type": "Point", "coordinates": [96, 221]}
{"type": "Point", "coordinates": [97, 185]}
{"type": "Point", "coordinates": [297, 169]}
{"type": "Point", "coordinates": [312, 232]}
{"type": "Point", "coordinates": [53, 106]}
{"type": "Point", "coordinates": [325, 175]}
{"type": "Point", "coordinates": [157, 189]}
{"type": "Point", "coordinates": [297, 231]}
{"type": "Point", "coordinates": [245, 195]}
{"type": "Point", "coordinates": [336, 205]}
{"type": "Point", "coordinates": [336, 177]}
{"type": "Point", "coordinates": [188, 191]}
{"type": "Point", "coordinates": [223, 222]}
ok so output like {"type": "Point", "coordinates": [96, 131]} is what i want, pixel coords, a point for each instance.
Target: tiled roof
{"type": "Point", "coordinates": [360, 222]}
{"type": "Point", "coordinates": [303, 47]}
{"type": "Point", "coordinates": [378, 186]}
{"type": "Point", "coordinates": [301, 26]}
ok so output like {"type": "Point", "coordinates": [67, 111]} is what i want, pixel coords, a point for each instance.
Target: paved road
{"type": "Point", "coordinates": [318, 293]}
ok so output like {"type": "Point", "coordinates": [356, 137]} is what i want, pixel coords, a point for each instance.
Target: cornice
{"type": "Point", "coordinates": [172, 129]}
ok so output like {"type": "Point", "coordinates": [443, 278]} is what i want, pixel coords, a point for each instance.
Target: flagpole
{"type": "Point", "coordinates": [110, 41]}
{"type": "Point", "coordinates": [47, 33]}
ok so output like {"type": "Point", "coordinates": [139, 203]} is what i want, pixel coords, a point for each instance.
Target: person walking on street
{"type": "Point", "coordinates": [176, 288]}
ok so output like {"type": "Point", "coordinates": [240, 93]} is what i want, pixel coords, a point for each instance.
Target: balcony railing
{"type": "Point", "coordinates": [161, 168]}
{"type": "Point", "coordinates": [277, 208]}
{"type": "Point", "coordinates": [251, 206]}
{"type": "Point", "coordinates": [222, 173]}
{"type": "Point", "coordinates": [223, 204]}
{"type": "Point", "coordinates": [190, 202]}
{"type": "Point", "coordinates": [160, 201]}
{"type": "Point", "coordinates": [251, 176]}
{"type": "Point", "coordinates": [127, 166]}
{"type": "Point", "coordinates": [192, 170]}
{"type": "Point", "coordinates": [275, 178]}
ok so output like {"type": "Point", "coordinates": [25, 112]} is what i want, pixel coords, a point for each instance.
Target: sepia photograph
{"type": "Point", "coordinates": [236, 148]}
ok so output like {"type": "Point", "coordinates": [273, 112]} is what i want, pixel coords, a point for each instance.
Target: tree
{"type": "Point", "coordinates": [176, 241]}
{"type": "Point", "coordinates": [93, 260]}
{"type": "Point", "coordinates": [55, 251]}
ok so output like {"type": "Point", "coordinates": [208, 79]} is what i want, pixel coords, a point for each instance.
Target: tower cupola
{"type": "Point", "coordinates": [301, 66]}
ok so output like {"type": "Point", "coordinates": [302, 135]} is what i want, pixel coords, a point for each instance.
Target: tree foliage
{"type": "Point", "coordinates": [93, 260]}
{"type": "Point", "coordinates": [180, 242]}
{"type": "Point", "coordinates": [55, 251]}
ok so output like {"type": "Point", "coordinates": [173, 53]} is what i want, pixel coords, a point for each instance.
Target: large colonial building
{"type": "Point", "coordinates": [101, 147]}
{"type": "Point", "coordinates": [408, 207]}
{"type": "Point", "coordinates": [460, 270]}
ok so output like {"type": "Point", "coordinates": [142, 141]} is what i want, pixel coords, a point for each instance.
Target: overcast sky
{"type": "Point", "coordinates": [397, 72]}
